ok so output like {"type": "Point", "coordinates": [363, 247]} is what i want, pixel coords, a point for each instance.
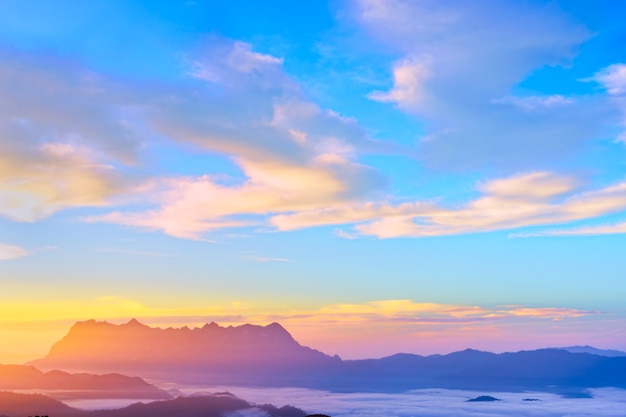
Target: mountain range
{"type": "Point", "coordinates": [212, 354]}
{"type": "Point", "coordinates": [269, 356]}
{"type": "Point", "coordinates": [62, 385]}
{"type": "Point", "coordinates": [593, 351]}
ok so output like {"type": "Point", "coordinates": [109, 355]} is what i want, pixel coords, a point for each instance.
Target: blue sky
{"type": "Point", "coordinates": [348, 168]}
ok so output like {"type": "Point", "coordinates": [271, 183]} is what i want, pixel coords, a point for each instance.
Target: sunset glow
{"type": "Point", "coordinates": [377, 176]}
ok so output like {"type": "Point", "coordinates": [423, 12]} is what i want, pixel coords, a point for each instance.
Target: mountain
{"type": "Point", "coordinates": [268, 356]}
{"type": "Point", "coordinates": [542, 370]}
{"type": "Point", "coordinates": [594, 351]}
{"type": "Point", "coordinates": [201, 406]}
{"type": "Point", "coordinates": [246, 354]}
{"type": "Point", "coordinates": [62, 385]}
{"type": "Point", "coordinates": [20, 405]}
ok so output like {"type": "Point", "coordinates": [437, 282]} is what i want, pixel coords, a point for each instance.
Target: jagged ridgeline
{"type": "Point", "coordinates": [269, 356]}
{"type": "Point", "coordinates": [246, 354]}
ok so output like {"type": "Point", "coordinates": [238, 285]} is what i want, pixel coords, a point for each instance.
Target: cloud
{"type": "Point", "coordinates": [135, 252]}
{"type": "Point", "coordinates": [190, 207]}
{"type": "Point", "coordinates": [522, 200]}
{"type": "Point", "coordinates": [613, 78]}
{"type": "Point", "coordinates": [64, 131]}
{"type": "Point", "coordinates": [299, 165]}
{"type": "Point", "coordinates": [293, 155]}
{"type": "Point", "coordinates": [8, 252]}
{"type": "Point", "coordinates": [88, 149]}
{"type": "Point", "coordinates": [602, 229]}
{"type": "Point", "coordinates": [535, 103]}
{"type": "Point", "coordinates": [434, 402]}
{"type": "Point", "coordinates": [408, 311]}
{"type": "Point", "coordinates": [36, 182]}
{"type": "Point", "coordinates": [264, 259]}
{"type": "Point", "coordinates": [409, 76]}
{"type": "Point", "coordinates": [290, 197]}
{"type": "Point", "coordinates": [459, 70]}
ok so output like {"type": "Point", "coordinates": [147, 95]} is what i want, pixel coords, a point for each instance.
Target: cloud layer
{"type": "Point", "coordinates": [459, 72]}
{"type": "Point", "coordinates": [295, 164]}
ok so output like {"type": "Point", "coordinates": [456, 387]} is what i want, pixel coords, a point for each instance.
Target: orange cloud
{"type": "Point", "coordinates": [524, 200]}
{"type": "Point", "coordinates": [53, 177]}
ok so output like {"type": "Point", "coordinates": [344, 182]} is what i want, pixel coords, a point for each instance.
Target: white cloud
{"type": "Point", "coordinates": [435, 402]}
{"type": "Point", "coordinates": [409, 76]}
{"type": "Point", "coordinates": [535, 103]}
{"type": "Point", "coordinates": [8, 252]}
{"type": "Point", "coordinates": [613, 78]}
{"type": "Point", "coordinates": [602, 229]}
{"type": "Point", "coordinates": [264, 259]}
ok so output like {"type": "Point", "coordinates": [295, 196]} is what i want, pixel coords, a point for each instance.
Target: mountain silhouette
{"type": "Point", "coordinates": [200, 406]}
{"type": "Point", "coordinates": [593, 351]}
{"type": "Point", "coordinates": [21, 405]}
{"type": "Point", "coordinates": [62, 385]}
{"type": "Point", "coordinates": [268, 356]}
{"type": "Point", "coordinates": [212, 354]}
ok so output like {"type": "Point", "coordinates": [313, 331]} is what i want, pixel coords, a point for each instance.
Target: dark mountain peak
{"type": "Point", "coordinates": [85, 324]}
{"type": "Point", "coordinates": [276, 329]}
{"type": "Point", "coordinates": [483, 398]}
{"type": "Point", "coordinates": [469, 353]}
{"type": "Point", "coordinates": [135, 323]}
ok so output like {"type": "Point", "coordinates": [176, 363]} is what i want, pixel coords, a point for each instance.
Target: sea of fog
{"type": "Point", "coordinates": [418, 403]}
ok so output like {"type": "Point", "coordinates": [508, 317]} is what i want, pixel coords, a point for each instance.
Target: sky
{"type": "Point", "coordinates": [378, 176]}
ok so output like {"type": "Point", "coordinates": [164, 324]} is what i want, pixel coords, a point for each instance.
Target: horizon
{"type": "Point", "coordinates": [135, 321]}
{"type": "Point", "coordinates": [377, 176]}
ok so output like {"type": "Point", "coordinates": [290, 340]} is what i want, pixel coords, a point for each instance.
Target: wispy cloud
{"type": "Point", "coordinates": [9, 252]}
{"type": "Point", "coordinates": [613, 79]}
{"type": "Point", "coordinates": [535, 103]}
{"type": "Point", "coordinates": [602, 229]}
{"type": "Point", "coordinates": [135, 252]}
{"type": "Point", "coordinates": [264, 259]}
{"type": "Point", "coordinates": [528, 199]}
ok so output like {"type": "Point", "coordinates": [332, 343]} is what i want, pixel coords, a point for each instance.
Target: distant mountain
{"type": "Point", "coordinates": [201, 406]}
{"type": "Point", "coordinates": [543, 370]}
{"type": "Point", "coordinates": [21, 377]}
{"type": "Point", "coordinates": [212, 354]}
{"type": "Point", "coordinates": [593, 351]}
{"type": "Point", "coordinates": [483, 398]}
{"type": "Point", "coordinates": [21, 405]}
{"type": "Point", "coordinates": [269, 356]}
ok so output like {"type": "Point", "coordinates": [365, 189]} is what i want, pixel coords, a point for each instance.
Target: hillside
{"type": "Point", "coordinates": [64, 385]}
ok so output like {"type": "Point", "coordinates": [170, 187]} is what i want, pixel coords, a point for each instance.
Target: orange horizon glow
{"type": "Point", "coordinates": [353, 331]}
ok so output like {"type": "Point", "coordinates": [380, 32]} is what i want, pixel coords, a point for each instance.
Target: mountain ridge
{"type": "Point", "coordinates": [254, 355]}
{"type": "Point", "coordinates": [62, 385]}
